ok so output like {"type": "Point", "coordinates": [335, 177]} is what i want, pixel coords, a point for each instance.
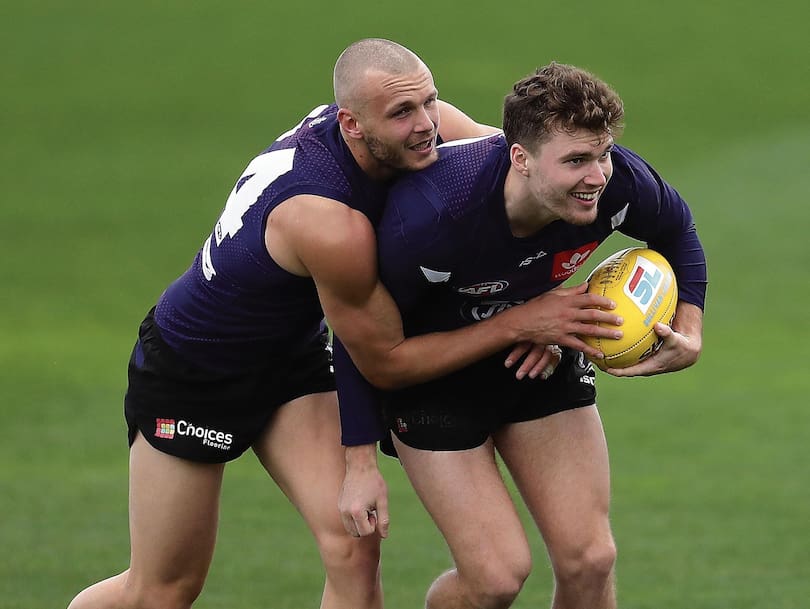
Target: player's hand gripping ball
{"type": "Point", "coordinates": [641, 283]}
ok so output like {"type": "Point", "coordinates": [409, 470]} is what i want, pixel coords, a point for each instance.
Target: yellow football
{"type": "Point", "coordinates": [641, 283]}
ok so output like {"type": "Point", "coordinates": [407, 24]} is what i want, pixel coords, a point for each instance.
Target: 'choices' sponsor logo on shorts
{"type": "Point", "coordinates": [168, 429]}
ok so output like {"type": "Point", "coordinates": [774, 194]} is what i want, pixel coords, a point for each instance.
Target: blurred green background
{"type": "Point", "coordinates": [124, 126]}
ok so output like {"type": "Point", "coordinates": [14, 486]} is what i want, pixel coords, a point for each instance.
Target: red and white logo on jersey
{"type": "Point", "coordinates": [568, 262]}
{"type": "Point", "coordinates": [164, 428]}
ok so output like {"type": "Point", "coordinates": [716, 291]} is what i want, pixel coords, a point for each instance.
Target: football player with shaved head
{"type": "Point", "coordinates": [234, 355]}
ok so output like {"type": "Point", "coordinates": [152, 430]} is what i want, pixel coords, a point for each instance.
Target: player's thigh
{"type": "Point", "coordinates": [560, 465]}
{"type": "Point", "coordinates": [302, 451]}
{"type": "Point", "coordinates": [467, 498]}
{"type": "Point", "coordinates": [174, 508]}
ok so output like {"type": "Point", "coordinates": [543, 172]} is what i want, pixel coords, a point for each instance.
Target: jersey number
{"type": "Point", "coordinates": [260, 173]}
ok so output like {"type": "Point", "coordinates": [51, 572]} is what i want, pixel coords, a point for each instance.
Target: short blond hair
{"type": "Point", "coordinates": [363, 56]}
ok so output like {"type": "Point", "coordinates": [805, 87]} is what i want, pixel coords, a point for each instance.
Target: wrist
{"type": "Point", "coordinates": [507, 326]}
{"type": "Point", "coordinates": [362, 456]}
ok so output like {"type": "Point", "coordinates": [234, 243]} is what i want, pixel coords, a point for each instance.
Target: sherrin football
{"type": "Point", "coordinates": [641, 283]}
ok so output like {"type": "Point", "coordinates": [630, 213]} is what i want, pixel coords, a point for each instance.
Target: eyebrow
{"type": "Point", "coordinates": [409, 103]}
{"type": "Point", "coordinates": [589, 152]}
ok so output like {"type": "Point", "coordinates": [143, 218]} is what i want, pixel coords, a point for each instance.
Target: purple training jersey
{"type": "Point", "coordinates": [449, 258]}
{"type": "Point", "coordinates": [235, 306]}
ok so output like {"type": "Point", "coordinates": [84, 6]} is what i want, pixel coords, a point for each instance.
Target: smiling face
{"type": "Point", "coordinates": [560, 123]}
{"type": "Point", "coordinates": [567, 174]}
{"type": "Point", "coordinates": [388, 111]}
{"type": "Point", "coordinates": [399, 120]}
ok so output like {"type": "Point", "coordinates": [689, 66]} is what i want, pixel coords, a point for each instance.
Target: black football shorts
{"type": "Point", "coordinates": [191, 412]}
{"type": "Point", "coordinates": [462, 410]}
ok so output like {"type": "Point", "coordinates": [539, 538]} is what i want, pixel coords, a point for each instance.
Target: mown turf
{"type": "Point", "coordinates": [124, 126]}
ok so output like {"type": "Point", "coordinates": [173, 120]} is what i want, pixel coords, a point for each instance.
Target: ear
{"type": "Point", "coordinates": [348, 124]}
{"type": "Point", "coordinates": [519, 157]}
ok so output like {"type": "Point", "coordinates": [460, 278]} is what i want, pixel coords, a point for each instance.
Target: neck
{"type": "Point", "coordinates": [523, 212]}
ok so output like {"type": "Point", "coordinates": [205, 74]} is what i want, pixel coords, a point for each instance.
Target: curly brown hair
{"type": "Point", "coordinates": [560, 97]}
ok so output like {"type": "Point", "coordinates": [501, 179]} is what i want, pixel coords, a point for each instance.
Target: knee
{"type": "Point", "coordinates": [179, 593]}
{"type": "Point", "coordinates": [589, 565]}
{"type": "Point", "coordinates": [496, 586]}
{"type": "Point", "coordinates": [172, 596]}
{"type": "Point", "coordinates": [127, 591]}
{"type": "Point", "coordinates": [495, 593]}
{"type": "Point", "coordinates": [352, 568]}
{"type": "Point", "coordinates": [341, 552]}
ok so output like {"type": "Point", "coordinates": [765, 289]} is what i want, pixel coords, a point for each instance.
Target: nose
{"type": "Point", "coordinates": [597, 175]}
{"type": "Point", "coordinates": [424, 121]}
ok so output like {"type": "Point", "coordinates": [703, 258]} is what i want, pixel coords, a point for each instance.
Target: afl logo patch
{"type": "Point", "coordinates": [485, 288]}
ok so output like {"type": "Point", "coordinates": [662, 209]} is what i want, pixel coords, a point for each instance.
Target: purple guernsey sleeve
{"type": "Point", "coordinates": [360, 410]}
{"type": "Point", "coordinates": [361, 414]}
{"type": "Point", "coordinates": [667, 225]}
{"type": "Point", "coordinates": [681, 246]}
{"type": "Point", "coordinates": [688, 261]}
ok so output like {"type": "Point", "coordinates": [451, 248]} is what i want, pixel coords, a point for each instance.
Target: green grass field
{"type": "Point", "coordinates": [123, 128]}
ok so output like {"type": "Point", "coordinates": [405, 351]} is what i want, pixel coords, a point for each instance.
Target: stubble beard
{"type": "Point", "coordinates": [394, 158]}
{"type": "Point", "coordinates": [385, 155]}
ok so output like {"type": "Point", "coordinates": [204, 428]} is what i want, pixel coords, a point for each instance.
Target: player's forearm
{"type": "Point", "coordinates": [556, 317]}
{"type": "Point", "coordinates": [428, 356]}
{"type": "Point", "coordinates": [689, 322]}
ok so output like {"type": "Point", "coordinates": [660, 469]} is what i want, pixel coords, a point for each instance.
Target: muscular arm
{"type": "Point", "coordinates": [455, 125]}
{"type": "Point", "coordinates": [341, 256]}
{"type": "Point", "coordinates": [336, 246]}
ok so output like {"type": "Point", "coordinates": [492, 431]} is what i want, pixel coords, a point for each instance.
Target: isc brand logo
{"type": "Point", "coordinates": [644, 283]}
